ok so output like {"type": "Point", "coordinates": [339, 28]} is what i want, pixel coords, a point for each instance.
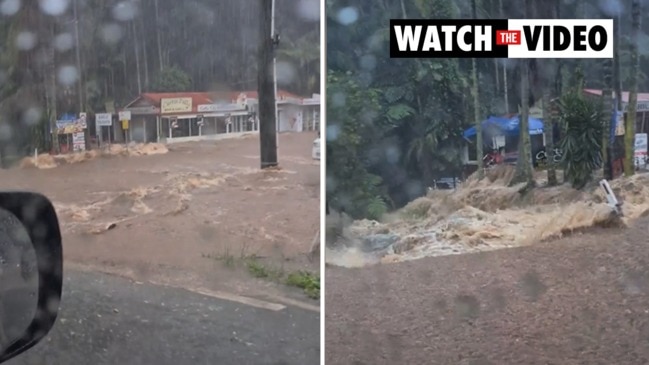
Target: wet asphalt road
{"type": "Point", "coordinates": [110, 320]}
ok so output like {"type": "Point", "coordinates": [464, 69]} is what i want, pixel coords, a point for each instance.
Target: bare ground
{"type": "Point", "coordinates": [583, 299]}
{"type": "Point", "coordinates": [175, 218]}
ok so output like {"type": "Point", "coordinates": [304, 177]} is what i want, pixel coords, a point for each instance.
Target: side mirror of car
{"type": "Point", "coordinates": [31, 271]}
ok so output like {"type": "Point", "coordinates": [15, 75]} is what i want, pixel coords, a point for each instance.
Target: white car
{"type": "Point", "coordinates": [315, 152]}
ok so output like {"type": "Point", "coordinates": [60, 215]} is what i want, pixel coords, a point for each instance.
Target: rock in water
{"type": "Point", "coordinates": [378, 242]}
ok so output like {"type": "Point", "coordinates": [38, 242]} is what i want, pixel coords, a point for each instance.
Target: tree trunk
{"type": "Point", "coordinates": [501, 11]}
{"type": "Point", "coordinates": [497, 75]}
{"type": "Point", "coordinates": [78, 55]}
{"type": "Point", "coordinates": [523, 164]}
{"type": "Point", "coordinates": [629, 128]}
{"type": "Point", "coordinates": [53, 113]}
{"type": "Point", "coordinates": [137, 58]}
{"type": "Point", "coordinates": [524, 171]}
{"type": "Point", "coordinates": [157, 34]}
{"type": "Point", "coordinates": [266, 87]}
{"type": "Point", "coordinates": [548, 127]}
{"type": "Point", "coordinates": [476, 105]}
{"type": "Point", "coordinates": [145, 55]}
{"type": "Point", "coordinates": [126, 84]}
{"type": "Point", "coordinates": [608, 107]}
{"type": "Point", "coordinates": [617, 61]}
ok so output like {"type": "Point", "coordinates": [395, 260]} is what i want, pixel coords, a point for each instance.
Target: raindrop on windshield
{"type": "Point", "coordinates": [309, 10]}
{"type": "Point", "coordinates": [25, 40]}
{"type": "Point", "coordinates": [68, 75]}
{"type": "Point", "coordinates": [32, 116]}
{"type": "Point", "coordinates": [611, 7]}
{"type": "Point", "coordinates": [368, 62]}
{"type": "Point", "coordinates": [285, 73]}
{"type": "Point", "coordinates": [125, 11]}
{"type": "Point", "coordinates": [348, 15]}
{"type": "Point", "coordinates": [54, 7]}
{"type": "Point", "coordinates": [5, 132]}
{"type": "Point", "coordinates": [9, 7]}
{"type": "Point", "coordinates": [64, 42]}
{"type": "Point", "coordinates": [338, 100]}
{"type": "Point", "coordinates": [111, 33]}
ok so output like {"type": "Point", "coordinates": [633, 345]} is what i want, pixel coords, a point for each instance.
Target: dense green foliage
{"type": "Point", "coordinates": [420, 107]}
{"type": "Point", "coordinates": [581, 120]}
{"type": "Point", "coordinates": [171, 79]}
{"type": "Point", "coordinates": [351, 125]}
{"type": "Point", "coordinates": [414, 127]}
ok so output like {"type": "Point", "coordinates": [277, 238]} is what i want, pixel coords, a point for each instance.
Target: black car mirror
{"type": "Point", "coordinates": [31, 271]}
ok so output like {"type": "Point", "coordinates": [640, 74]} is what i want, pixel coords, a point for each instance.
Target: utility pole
{"type": "Point", "coordinates": [275, 37]}
{"type": "Point", "coordinates": [266, 87]}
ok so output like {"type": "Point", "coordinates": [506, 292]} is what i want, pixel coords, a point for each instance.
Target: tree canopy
{"type": "Point", "coordinates": [398, 122]}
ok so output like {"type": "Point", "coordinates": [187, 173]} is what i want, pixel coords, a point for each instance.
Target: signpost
{"type": "Point", "coordinates": [103, 120]}
{"type": "Point", "coordinates": [125, 118]}
{"type": "Point", "coordinates": [125, 115]}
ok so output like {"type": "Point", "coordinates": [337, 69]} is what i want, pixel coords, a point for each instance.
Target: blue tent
{"type": "Point", "coordinates": [507, 126]}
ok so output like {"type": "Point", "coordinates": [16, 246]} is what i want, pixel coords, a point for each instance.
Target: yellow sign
{"type": "Point", "coordinates": [125, 124]}
{"type": "Point", "coordinates": [175, 105]}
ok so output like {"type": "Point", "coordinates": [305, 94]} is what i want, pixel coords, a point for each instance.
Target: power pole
{"type": "Point", "coordinates": [266, 87]}
{"type": "Point", "coordinates": [275, 37]}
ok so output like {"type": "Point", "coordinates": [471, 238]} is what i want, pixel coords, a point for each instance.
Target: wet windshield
{"type": "Point", "coordinates": [141, 120]}
{"type": "Point", "coordinates": [467, 218]}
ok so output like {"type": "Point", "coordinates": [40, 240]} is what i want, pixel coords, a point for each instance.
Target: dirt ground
{"type": "Point", "coordinates": [583, 299]}
{"type": "Point", "coordinates": [177, 217]}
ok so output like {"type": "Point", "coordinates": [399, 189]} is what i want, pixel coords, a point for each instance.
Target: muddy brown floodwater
{"type": "Point", "coordinates": [583, 299]}
{"type": "Point", "coordinates": [176, 218]}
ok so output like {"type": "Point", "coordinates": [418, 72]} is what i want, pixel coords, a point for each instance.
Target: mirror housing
{"type": "Point", "coordinates": [38, 216]}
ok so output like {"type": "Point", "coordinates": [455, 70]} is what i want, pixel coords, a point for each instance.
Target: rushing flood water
{"type": "Point", "coordinates": [484, 215]}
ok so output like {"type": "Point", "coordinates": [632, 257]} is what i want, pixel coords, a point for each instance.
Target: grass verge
{"type": "Point", "coordinates": [305, 280]}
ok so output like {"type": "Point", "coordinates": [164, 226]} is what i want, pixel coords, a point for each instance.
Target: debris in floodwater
{"type": "Point", "coordinates": [102, 229]}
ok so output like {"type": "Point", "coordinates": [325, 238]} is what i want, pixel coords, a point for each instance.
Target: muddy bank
{"type": "Point", "coordinates": [485, 215]}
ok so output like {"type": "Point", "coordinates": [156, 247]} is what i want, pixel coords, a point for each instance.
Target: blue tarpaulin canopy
{"type": "Point", "coordinates": [507, 126]}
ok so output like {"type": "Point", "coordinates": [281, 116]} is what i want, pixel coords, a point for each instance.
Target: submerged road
{"type": "Point", "coordinates": [110, 320]}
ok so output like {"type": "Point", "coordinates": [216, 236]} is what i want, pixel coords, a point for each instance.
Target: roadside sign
{"type": "Point", "coordinates": [640, 150]}
{"type": "Point", "coordinates": [124, 124]}
{"type": "Point", "coordinates": [125, 115]}
{"type": "Point", "coordinates": [104, 119]}
{"type": "Point", "coordinates": [83, 117]}
{"type": "Point", "coordinates": [78, 142]}
{"type": "Point", "coordinates": [199, 120]}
